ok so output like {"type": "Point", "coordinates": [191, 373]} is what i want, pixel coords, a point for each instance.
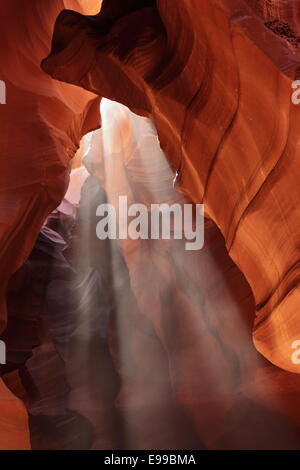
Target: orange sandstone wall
{"type": "Point", "coordinates": [41, 126]}
{"type": "Point", "coordinates": [222, 106]}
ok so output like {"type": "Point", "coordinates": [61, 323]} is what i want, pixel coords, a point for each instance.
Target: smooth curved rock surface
{"type": "Point", "coordinates": [50, 119]}
{"type": "Point", "coordinates": [14, 434]}
{"type": "Point", "coordinates": [221, 102]}
{"type": "Point", "coordinates": [41, 124]}
{"type": "Point", "coordinates": [177, 367]}
{"type": "Point", "coordinates": [195, 314]}
{"type": "Point", "coordinates": [140, 358]}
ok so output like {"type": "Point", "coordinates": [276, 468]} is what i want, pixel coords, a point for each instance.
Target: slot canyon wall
{"type": "Point", "coordinates": [176, 360]}
{"type": "Point", "coordinates": [197, 73]}
{"type": "Point", "coordinates": [42, 123]}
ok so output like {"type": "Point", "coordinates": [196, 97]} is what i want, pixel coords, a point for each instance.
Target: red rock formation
{"type": "Point", "coordinates": [217, 83]}
{"type": "Point", "coordinates": [225, 119]}
{"type": "Point", "coordinates": [186, 356]}
{"type": "Point", "coordinates": [50, 118]}
{"type": "Point", "coordinates": [14, 433]}
{"type": "Point", "coordinates": [179, 334]}
{"type": "Point", "coordinates": [41, 123]}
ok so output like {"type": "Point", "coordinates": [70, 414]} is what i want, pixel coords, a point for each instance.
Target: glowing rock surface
{"type": "Point", "coordinates": [221, 102]}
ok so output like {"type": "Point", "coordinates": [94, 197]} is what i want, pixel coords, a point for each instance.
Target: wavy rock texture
{"type": "Point", "coordinates": [66, 313]}
{"type": "Point", "coordinates": [221, 102]}
{"type": "Point", "coordinates": [48, 118]}
{"type": "Point", "coordinates": [171, 344]}
{"type": "Point", "coordinates": [128, 357]}
{"type": "Point", "coordinates": [216, 389]}
{"type": "Point", "coordinates": [169, 374]}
